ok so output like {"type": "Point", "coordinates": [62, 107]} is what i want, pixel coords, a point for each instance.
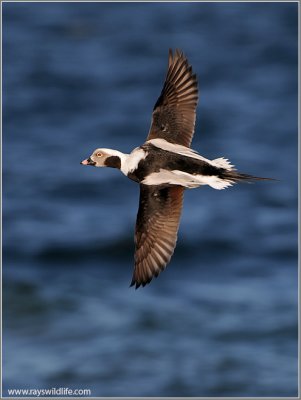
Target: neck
{"type": "Point", "coordinates": [117, 159]}
{"type": "Point", "coordinates": [125, 162]}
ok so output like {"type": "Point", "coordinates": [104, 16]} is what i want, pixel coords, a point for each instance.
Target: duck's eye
{"type": "Point", "coordinates": [98, 154]}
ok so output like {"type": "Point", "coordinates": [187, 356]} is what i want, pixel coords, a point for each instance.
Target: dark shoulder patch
{"type": "Point", "coordinates": [113, 162]}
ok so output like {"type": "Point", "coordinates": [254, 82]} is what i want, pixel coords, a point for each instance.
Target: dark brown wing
{"type": "Point", "coordinates": [156, 230]}
{"type": "Point", "coordinates": [174, 113]}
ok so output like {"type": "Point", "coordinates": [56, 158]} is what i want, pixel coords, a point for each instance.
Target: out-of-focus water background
{"type": "Point", "coordinates": [222, 319]}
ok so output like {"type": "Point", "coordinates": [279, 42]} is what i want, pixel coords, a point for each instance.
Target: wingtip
{"type": "Point", "coordinates": [174, 55]}
{"type": "Point", "coordinates": [179, 53]}
{"type": "Point", "coordinates": [137, 284]}
{"type": "Point", "coordinates": [134, 283]}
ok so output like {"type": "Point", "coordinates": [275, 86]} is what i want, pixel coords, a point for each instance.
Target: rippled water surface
{"type": "Point", "coordinates": [222, 319]}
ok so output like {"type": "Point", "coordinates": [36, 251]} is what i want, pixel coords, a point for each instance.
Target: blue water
{"type": "Point", "coordinates": [222, 319]}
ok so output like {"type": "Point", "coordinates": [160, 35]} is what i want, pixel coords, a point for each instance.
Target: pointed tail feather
{"type": "Point", "coordinates": [229, 173]}
{"type": "Point", "coordinates": [235, 177]}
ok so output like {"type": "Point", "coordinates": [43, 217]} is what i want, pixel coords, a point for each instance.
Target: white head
{"type": "Point", "coordinates": [104, 158]}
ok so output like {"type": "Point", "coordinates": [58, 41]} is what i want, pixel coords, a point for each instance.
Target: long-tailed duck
{"type": "Point", "coordinates": [164, 166]}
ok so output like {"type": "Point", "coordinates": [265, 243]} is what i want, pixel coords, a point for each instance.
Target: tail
{"type": "Point", "coordinates": [227, 175]}
{"type": "Point", "coordinates": [236, 177]}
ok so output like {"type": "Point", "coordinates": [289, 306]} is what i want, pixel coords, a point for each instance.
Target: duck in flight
{"type": "Point", "coordinates": [164, 166]}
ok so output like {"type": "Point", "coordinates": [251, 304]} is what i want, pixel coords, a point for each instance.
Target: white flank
{"type": "Point", "coordinates": [186, 180]}
{"type": "Point", "coordinates": [171, 177]}
{"type": "Point", "coordinates": [186, 151]}
{"type": "Point", "coordinates": [215, 182]}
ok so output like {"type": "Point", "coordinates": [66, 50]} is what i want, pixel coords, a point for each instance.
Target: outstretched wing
{"type": "Point", "coordinates": [156, 230]}
{"type": "Point", "coordinates": [174, 112]}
